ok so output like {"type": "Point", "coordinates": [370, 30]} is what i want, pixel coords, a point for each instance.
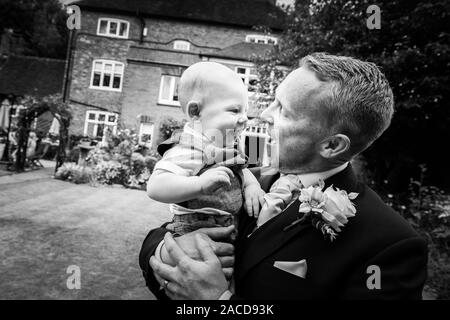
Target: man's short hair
{"type": "Point", "coordinates": [361, 103]}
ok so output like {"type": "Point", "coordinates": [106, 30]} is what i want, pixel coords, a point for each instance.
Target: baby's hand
{"type": "Point", "coordinates": [214, 179]}
{"type": "Point", "coordinates": [254, 196]}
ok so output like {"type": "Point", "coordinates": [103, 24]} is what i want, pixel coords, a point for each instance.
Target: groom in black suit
{"type": "Point", "coordinates": [325, 113]}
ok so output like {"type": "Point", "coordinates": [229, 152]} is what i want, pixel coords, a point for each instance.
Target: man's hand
{"type": "Point", "coordinates": [254, 197]}
{"type": "Point", "coordinates": [224, 251]}
{"type": "Point", "coordinates": [191, 279]}
{"type": "Point", "coordinates": [214, 179]}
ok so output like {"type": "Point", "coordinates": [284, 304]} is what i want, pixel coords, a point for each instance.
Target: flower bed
{"type": "Point", "coordinates": [117, 160]}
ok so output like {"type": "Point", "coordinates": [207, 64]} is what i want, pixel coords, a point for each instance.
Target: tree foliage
{"type": "Point", "coordinates": [40, 24]}
{"type": "Point", "coordinates": [412, 49]}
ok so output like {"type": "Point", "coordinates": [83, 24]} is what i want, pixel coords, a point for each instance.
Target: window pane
{"type": "Point", "coordinates": [146, 137]}
{"type": "Point", "coordinates": [118, 68]}
{"type": "Point", "coordinates": [165, 90]}
{"type": "Point", "coordinates": [113, 28]}
{"type": "Point", "coordinates": [123, 29]}
{"type": "Point", "coordinates": [101, 117]}
{"type": "Point", "coordinates": [112, 119]}
{"type": "Point", "coordinates": [91, 116]}
{"type": "Point", "coordinates": [100, 129]}
{"type": "Point", "coordinates": [106, 80]}
{"type": "Point", "coordinates": [181, 45]}
{"type": "Point", "coordinates": [252, 85]}
{"type": "Point", "coordinates": [103, 25]}
{"type": "Point", "coordinates": [90, 129]}
{"type": "Point", "coordinates": [146, 132]}
{"type": "Point", "coordinates": [116, 81]}
{"type": "Point", "coordinates": [271, 41]}
{"type": "Point", "coordinates": [261, 41]}
{"type": "Point", "coordinates": [96, 80]}
{"type": "Point", "coordinates": [175, 94]}
{"type": "Point", "coordinates": [108, 68]}
{"type": "Point", "coordinates": [98, 66]}
{"type": "Point", "coordinates": [241, 70]}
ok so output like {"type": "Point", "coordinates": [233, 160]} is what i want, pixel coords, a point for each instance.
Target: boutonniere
{"type": "Point", "coordinates": [327, 210]}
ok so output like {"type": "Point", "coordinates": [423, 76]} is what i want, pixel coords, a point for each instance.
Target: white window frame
{"type": "Point", "coordinates": [148, 143]}
{"type": "Point", "coordinates": [172, 89]}
{"type": "Point", "coordinates": [96, 122]}
{"type": "Point", "coordinates": [259, 131]}
{"type": "Point", "coordinates": [258, 38]}
{"type": "Point", "coordinates": [247, 76]}
{"type": "Point", "coordinates": [182, 45]}
{"type": "Point", "coordinates": [108, 28]}
{"type": "Point", "coordinates": [102, 74]}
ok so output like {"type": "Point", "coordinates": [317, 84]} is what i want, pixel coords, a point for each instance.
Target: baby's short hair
{"type": "Point", "coordinates": [195, 80]}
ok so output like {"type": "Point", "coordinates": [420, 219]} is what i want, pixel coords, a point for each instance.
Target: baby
{"type": "Point", "coordinates": [202, 173]}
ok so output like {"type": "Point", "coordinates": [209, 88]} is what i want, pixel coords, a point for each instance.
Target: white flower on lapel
{"type": "Point", "coordinates": [329, 210]}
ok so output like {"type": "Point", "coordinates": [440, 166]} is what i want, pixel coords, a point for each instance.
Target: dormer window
{"type": "Point", "coordinates": [113, 28]}
{"type": "Point", "coordinates": [182, 45]}
{"type": "Point", "coordinates": [257, 38]}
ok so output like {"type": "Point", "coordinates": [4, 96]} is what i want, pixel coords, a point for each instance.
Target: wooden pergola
{"type": "Point", "coordinates": [34, 107]}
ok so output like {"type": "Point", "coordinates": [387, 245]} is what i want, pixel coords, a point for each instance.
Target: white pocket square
{"type": "Point", "coordinates": [297, 268]}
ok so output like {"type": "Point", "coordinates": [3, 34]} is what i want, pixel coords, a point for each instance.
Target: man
{"type": "Point", "coordinates": [325, 113]}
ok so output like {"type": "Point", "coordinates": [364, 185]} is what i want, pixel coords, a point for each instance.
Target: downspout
{"type": "Point", "coordinates": [68, 65]}
{"type": "Point", "coordinates": [143, 28]}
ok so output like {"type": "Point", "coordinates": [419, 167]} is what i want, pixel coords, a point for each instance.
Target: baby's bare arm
{"type": "Point", "coordinates": [168, 187]}
{"type": "Point", "coordinates": [249, 178]}
{"type": "Point", "coordinates": [253, 194]}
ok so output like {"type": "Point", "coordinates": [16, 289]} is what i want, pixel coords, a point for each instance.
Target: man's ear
{"type": "Point", "coordinates": [193, 109]}
{"type": "Point", "coordinates": [334, 146]}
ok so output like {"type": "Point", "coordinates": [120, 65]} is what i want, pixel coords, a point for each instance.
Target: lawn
{"type": "Point", "coordinates": [46, 225]}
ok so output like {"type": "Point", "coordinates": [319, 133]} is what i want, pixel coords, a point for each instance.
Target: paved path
{"type": "Point", "coordinates": [47, 225]}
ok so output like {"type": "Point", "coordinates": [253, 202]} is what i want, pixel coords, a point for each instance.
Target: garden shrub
{"type": "Point", "coordinates": [111, 172]}
{"type": "Point", "coordinates": [167, 126]}
{"type": "Point", "coordinates": [75, 173]}
{"type": "Point", "coordinates": [427, 209]}
{"type": "Point", "coordinates": [119, 160]}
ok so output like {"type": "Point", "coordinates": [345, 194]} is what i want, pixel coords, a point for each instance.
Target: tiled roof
{"type": "Point", "coordinates": [242, 51]}
{"type": "Point", "coordinates": [21, 75]}
{"type": "Point", "coordinates": [246, 13]}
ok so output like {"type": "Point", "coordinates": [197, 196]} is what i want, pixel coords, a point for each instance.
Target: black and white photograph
{"type": "Point", "coordinates": [224, 150]}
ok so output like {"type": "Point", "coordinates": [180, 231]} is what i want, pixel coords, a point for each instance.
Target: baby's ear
{"type": "Point", "coordinates": [193, 109]}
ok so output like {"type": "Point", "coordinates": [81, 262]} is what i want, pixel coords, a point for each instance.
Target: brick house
{"type": "Point", "coordinates": [126, 60]}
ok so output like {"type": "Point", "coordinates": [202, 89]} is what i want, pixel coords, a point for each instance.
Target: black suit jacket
{"type": "Point", "coordinates": [375, 236]}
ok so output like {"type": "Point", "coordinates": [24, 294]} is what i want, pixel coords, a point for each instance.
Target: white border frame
{"type": "Point", "coordinates": [172, 91]}
{"type": "Point", "coordinates": [182, 42]}
{"type": "Point", "coordinates": [118, 21]}
{"type": "Point", "coordinates": [96, 122]}
{"type": "Point", "coordinates": [152, 133]}
{"type": "Point", "coordinates": [114, 63]}
{"type": "Point", "coordinates": [261, 37]}
{"type": "Point", "coordinates": [252, 131]}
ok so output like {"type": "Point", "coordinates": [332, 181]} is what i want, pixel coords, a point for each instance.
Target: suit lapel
{"type": "Point", "coordinates": [271, 236]}
{"type": "Point", "coordinates": [267, 239]}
